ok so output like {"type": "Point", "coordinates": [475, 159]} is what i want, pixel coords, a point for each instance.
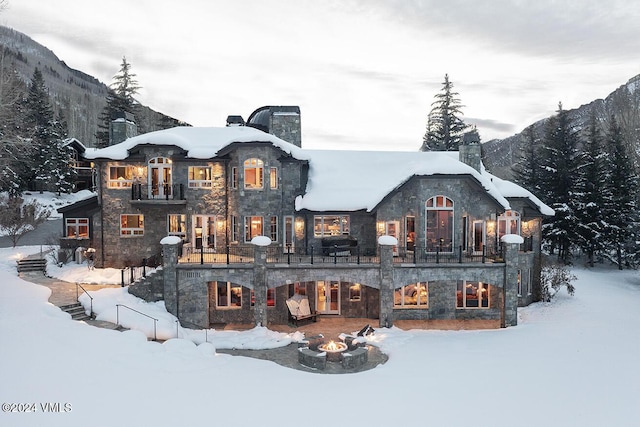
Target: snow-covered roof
{"type": "Point", "coordinates": [354, 180]}
{"type": "Point", "coordinates": [198, 142]}
{"type": "Point", "coordinates": [338, 180]}
{"type": "Point", "coordinates": [512, 190]}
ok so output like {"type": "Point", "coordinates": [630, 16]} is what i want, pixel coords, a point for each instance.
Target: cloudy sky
{"type": "Point", "coordinates": [364, 72]}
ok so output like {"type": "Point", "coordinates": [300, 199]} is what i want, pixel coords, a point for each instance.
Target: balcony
{"type": "Point", "coordinates": [164, 194]}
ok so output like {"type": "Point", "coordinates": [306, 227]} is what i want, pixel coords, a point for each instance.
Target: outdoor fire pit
{"type": "Point", "coordinates": [333, 350]}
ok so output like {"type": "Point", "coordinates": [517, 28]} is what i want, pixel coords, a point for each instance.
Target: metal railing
{"type": "Point", "coordinates": [155, 321]}
{"type": "Point", "coordinates": [132, 274]}
{"type": "Point", "coordinates": [224, 255]}
{"type": "Point", "coordinates": [164, 192]}
{"type": "Point", "coordinates": [180, 322]}
{"type": "Point", "coordinates": [78, 285]}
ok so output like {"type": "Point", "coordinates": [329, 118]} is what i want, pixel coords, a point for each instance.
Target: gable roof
{"type": "Point", "coordinates": [338, 180]}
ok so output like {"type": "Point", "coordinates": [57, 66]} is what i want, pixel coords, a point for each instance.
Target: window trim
{"type": "Point", "coordinates": [342, 220]}
{"type": "Point", "coordinates": [182, 223]}
{"type": "Point", "coordinates": [206, 183]}
{"type": "Point", "coordinates": [132, 231]}
{"type": "Point", "coordinates": [461, 303]}
{"type": "Point", "coordinates": [247, 227]}
{"type": "Point", "coordinates": [120, 182]}
{"type": "Point", "coordinates": [257, 165]}
{"type": "Point", "coordinates": [419, 295]}
{"type": "Point", "coordinates": [273, 178]}
{"type": "Point", "coordinates": [77, 224]}
{"type": "Point", "coordinates": [229, 289]}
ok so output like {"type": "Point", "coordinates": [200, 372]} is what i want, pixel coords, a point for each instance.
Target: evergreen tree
{"type": "Point", "coordinates": [444, 126]}
{"type": "Point", "coordinates": [527, 170]}
{"type": "Point", "coordinates": [621, 207]}
{"type": "Point", "coordinates": [592, 181]}
{"type": "Point", "coordinates": [561, 161]}
{"type": "Point", "coordinates": [48, 161]}
{"type": "Point", "coordinates": [119, 99]}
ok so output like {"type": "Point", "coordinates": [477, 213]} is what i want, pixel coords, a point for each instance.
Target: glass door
{"type": "Point", "coordinates": [392, 228]}
{"type": "Point", "coordinates": [328, 297]}
{"type": "Point", "coordinates": [204, 231]}
{"type": "Point", "coordinates": [160, 178]}
{"type": "Point", "coordinates": [478, 237]}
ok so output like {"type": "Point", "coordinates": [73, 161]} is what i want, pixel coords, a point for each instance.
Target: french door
{"type": "Point", "coordinates": [328, 297]}
{"type": "Point", "coordinates": [160, 178]}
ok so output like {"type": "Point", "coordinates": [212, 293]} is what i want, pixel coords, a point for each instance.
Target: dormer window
{"type": "Point", "coordinates": [253, 173]}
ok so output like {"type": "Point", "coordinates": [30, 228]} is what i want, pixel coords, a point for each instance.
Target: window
{"type": "Point", "coordinates": [131, 225]}
{"type": "Point", "coordinates": [228, 295]}
{"type": "Point", "coordinates": [271, 298]}
{"type": "Point", "coordinates": [235, 228]}
{"type": "Point", "coordinates": [519, 283]}
{"type": "Point", "coordinates": [253, 173]}
{"type": "Point", "coordinates": [472, 295]}
{"type": "Point", "coordinates": [177, 225]}
{"type": "Point", "coordinates": [200, 177]}
{"type": "Point", "coordinates": [529, 281]}
{"type": "Point", "coordinates": [330, 225]}
{"type": "Point", "coordinates": [410, 227]}
{"type": "Point", "coordinates": [273, 178]}
{"type": "Point", "coordinates": [439, 224]}
{"type": "Point", "coordinates": [77, 228]}
{"type": "Point", "coordinates": [120, 176]}
{"type": "Point", "coordinates": [509, 223]}
{"type": "Point", "coordinates": [288, 234]}
{"type": "Point", "coordinates": [299, 288]}
{"type": "Point", "coordinates": [415, 295]}
{"type": "Point", "coordinates": [252, 227]}
{"type": "Point", "coordinates": [234, 177]}
{"type": "Point", "coordinates": [355, 292]}
{"type": "Point", "coordinates": [274, 229]}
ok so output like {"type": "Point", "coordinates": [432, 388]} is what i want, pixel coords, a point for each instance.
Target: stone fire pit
{"type": "Point", "coordinates": [315, 352]}
{"type": "Point", "coordinates": [333, 350]}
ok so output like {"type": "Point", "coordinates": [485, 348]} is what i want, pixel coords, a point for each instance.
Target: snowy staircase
{"type": "Point", "coordinates": [32, 264]}
{"type": "Point", "coordinates": [76, 311]}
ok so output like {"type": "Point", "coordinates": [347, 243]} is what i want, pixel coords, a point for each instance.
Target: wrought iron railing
{"type": "Point", "coordinates": [132, 274]}
{"type": "Point", "coordinates": [155, 321]}
{"type": "Point", "coordinates": [163, 192]}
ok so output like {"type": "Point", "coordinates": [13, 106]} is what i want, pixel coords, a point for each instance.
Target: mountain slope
{"type": "Point", "coordinates": [78, 96]}
{"type": "Point", "coordinates": [623, 103]}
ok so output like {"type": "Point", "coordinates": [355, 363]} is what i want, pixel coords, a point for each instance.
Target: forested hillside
{"type": "Point", "coordinates": [78, 97]}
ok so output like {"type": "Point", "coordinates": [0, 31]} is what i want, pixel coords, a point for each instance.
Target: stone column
{"type": "Point", "coordinates": [510, 290]}
{"type": "Point", "coordinates": [260, 285]}
{"type": "Point", "coordinates": [169, 263]}
{"type": "Point", "coordinates": [386, 283]}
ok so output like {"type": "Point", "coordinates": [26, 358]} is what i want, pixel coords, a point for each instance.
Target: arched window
{"type": "Point", "coordinates": [253, 173]}
{"type": "Point", "coordinates": [508, 223]}
{"type": "Point", "coordinates": [439, 213]}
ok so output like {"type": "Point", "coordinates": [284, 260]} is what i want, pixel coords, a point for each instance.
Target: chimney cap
{"type": "Point", "coordinates": [235, 120]}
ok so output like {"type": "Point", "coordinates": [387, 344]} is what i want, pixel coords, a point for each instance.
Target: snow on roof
{"type": "Point", "coordinates": [198, 142]}
{"type": "Point", "coordinates": [511, 189]}
{"type": "Point", "coordinates": [338, 180]}
{"type": "Point", "coordinates": [354, 180]}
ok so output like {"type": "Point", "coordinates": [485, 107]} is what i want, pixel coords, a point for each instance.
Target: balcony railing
{"type": "Point", "coordinates": [328, 256]}
{"type": "Point", "coordinates": [163, 192]}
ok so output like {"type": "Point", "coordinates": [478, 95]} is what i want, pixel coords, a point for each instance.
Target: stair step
{"type": "Point", "coordinates": [31, 264]}
{"type": "Point", "coordinates": [76, 311]}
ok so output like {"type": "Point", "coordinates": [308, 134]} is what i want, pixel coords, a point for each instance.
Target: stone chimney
{"type": "Point", "coordinates": [281, 121]}
{"type": "Point", "coordinates": [123, 126]}
{"type": "Point", "coordinates": [470, 151]}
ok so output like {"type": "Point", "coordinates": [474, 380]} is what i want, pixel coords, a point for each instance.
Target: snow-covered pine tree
{"type": "Point", "coordinates": [526, 170]}
{"type": "Point", "coordinates": [444, 125]}
{"type": "Point", "coordinates": [119, 99]}
{"type": "Point", "coordinates": [621, 207]}
{"type": "Point", "coordinates": [592, 181]}
{"type": "Point", "coordinates": [561, 162]}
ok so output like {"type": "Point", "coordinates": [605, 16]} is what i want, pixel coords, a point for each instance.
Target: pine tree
{"type": "Point", "coordinates": [444, 126]}
{"type": "Point", "coordinates": [527, 170]}
{"type": "Point", "coordinates": [561, 163]}
{"type": "Point", "coordinates": [621, 207]}
{"type": "Point", "coordinates": [592, 181]}
{"type": "Point", "coordinates": [119, 99]}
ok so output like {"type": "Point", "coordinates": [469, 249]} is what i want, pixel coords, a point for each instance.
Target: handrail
{"type": "Point", "coordinates": [178, 323]}
{"type": "Point", "coordinates": [89, 295]}
{"type": "Point", "coordinates": [155, 321]}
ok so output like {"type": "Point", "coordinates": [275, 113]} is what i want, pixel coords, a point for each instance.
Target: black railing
{"type": "Point", "coordinates": [132, 274]}
{"type": "Point", "coordinates": [327, 256]}
{"type": "Point", "coordinates": [164, 192]}
{"type": "Point", "coordinates": [78, 285]}
{"type": "Point", "coordinates": [155, 321]}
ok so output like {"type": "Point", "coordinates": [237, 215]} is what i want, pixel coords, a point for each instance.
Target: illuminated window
{"type": "Point", "coordinates": [355, 292]}
{"type": "Point", "coordinates": [508, 223]}
{"type": "Point", "coordinates": [77, 228]}
{"type": "Point", "coordinates": [234, 177]}
{"type": "Point", "coordinates": [439, 224]}
{"type": "Point", "coordinates": [330, 225]}
{"type": "Point", "coordinates": [271, 298]}
{"type": "Point", "coordinates": [273, 228]}
{"type": "Point", "coordinates": [472, 295]}
{"type": "Point", "coordinates": [235, 228]}
{"type": "Point", "coordinates": [120, 176]}
{"type": "Point", "coordinates": [131, 225]}
{"type": "Point", "coordinates": [253, 171]}
{"type": "Point", "coordinates": [228, 295]}
{"type": "Point", "coordinates": [177, 225]}
{"type": "Point", "coordinates": [252, 227]}
{"type": "Point", "coordinates": [200, 177]}
{"type": "Point", "coordinates": [415, 295]}
{"type": "Point", "coordinates": [299, 288]}
{"type": "Point", "coordinates": [273, 178]}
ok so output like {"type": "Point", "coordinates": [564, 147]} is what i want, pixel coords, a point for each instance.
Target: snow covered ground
{"type": "Point", "coordinates": [572, 362]}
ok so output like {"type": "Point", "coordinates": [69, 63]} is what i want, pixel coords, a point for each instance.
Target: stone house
{"type": "Point", "coordinates": [217, 189]}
